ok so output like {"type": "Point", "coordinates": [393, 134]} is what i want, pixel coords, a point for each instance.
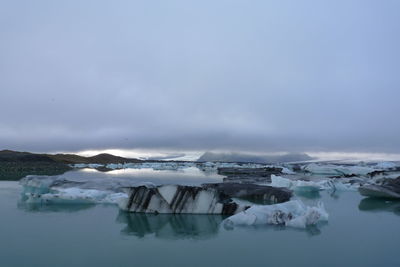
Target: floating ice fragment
{"type": "Point", "coordinates": [74, 196]}
{"type": "Point", "coordinates": [292, 213]}
{"type": "Point", "coordinates": [336, 184]}
{"type": "Point", "coordinates": [330, 169]}
{"type": "Point", "coordinates": [296, 185]}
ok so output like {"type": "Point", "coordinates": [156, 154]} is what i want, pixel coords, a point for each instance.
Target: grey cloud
{"type": "Point", "coordinates": [256, 76]}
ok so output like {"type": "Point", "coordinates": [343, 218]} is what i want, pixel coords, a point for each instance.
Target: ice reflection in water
{"type": "Point", "coordinates": [45, 208]}
{"type": "Point", "coordinates": [170, 226]}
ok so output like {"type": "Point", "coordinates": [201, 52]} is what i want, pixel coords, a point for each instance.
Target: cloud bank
{"type": "Point", "coordinates": [212, 75]}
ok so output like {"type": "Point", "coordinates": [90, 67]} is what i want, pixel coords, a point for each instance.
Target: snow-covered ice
{"type": "Point", "coordinates": [292, 213]}
{"type": "Point", "coordinates": [56, 189]}
{"type": "Point", "coordinates": [73, 195]}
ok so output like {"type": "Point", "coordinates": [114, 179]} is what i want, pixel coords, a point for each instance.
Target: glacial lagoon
{"type": "Point", "coordinates": [360, 232]}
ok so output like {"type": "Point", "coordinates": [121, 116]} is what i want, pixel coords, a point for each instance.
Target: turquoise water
{"type": "Point", "coordinates": [360, 232]}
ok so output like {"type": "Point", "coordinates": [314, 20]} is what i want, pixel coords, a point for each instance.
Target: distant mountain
{"type": "Point", "coordinates": [244, 157]}
{"type": "Point", "coordinates": [15, 156]}
{"type": "Point", "coordinates": [15, 165]}
{"type": "Point", "coordinates": [103, 158]}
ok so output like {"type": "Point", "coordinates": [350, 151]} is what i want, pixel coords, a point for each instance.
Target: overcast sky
{"type": "Point", "coordinates": [200, 75]}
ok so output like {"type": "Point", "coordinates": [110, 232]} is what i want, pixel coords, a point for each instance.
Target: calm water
{"type": "Point", "coordinates": [360, 232]}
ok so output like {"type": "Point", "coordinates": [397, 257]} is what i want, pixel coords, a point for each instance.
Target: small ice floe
{"type": "Point", "coordinates": [84, 165]}
{"type": "Point", "coordinates": [295, 185]}
{"type": "Point", "coordinates": [215, 198]}
{"type": "Point", "coordinates": [286, 170]}
{"type": "Point", "coordinates": [330, 169]}
{"type": "Point", "coordinates": [301, 186]}
{"type": "Point", "coordinates": [292, 213]}
{"type": "Point", "coordinates": [73, 196]}
{"type": "Point", "coordinates": [59, 190]}
{"type": "Point", "coordinates": [385, 165]}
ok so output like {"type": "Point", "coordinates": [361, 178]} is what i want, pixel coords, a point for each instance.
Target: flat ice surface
{"type": "Point", "coordinates": [89, 186]}
{"type": "Point", "coordinates": [360, 232]}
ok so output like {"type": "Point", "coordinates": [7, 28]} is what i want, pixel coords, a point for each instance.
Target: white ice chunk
{"type": "Point", "coordinates": [292, 213]}
{"type": "Point", "coordinates": [339, 184]}
{"type": "Point", "coordinates": [278, 181]}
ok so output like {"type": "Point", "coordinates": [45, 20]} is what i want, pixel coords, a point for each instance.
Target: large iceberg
{"type": "Point", "coordinates": [292, 213]}
{"type": "Point", "coordinates": [206, 199]}
{"type": "Point", "coordinates": [73, 195]}
{"type": "Point", "coordinates": [176, 199]}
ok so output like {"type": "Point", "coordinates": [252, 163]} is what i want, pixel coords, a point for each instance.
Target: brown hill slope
{"type": "Point", "coordinates": [15, 165]}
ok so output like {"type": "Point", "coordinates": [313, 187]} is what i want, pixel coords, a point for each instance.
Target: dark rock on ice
{"type": "Point", "coordinates": [206, 199]}
{"type": "Point", "coordinates": [252, 192]}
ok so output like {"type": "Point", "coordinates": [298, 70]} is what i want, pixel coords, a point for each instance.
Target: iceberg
{"type": "Point", "coordinates": [301, 186]}
{"type": "Point", "coordinates": [176, 199]}
{"type": "Point", "coordinates": [330, 169]}
{"type": "Point", "coordinates": [205, 199]}
{"type": "Point", "coordinates": [296, 185]}
{"type": "Point", "coordinates": [59, 190]}
{"type": "Point", "coordinates": [341, 184]}
{"type": "Point", "coordinates": [292, 213]}
{"type": "Point", "coordinates": [73, 195]}
{"type": "Point", "coordinates": [386, 165]}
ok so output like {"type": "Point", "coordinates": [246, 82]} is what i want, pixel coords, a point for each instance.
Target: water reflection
{"type": "Point", "coordinates": [170, 226]}
{"type": "Point", "coordinates": [377, 205]}
{"type": "Point", "coordinates": [39, 207]}
{"type": "Point", "coordinates": [310, 230]}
